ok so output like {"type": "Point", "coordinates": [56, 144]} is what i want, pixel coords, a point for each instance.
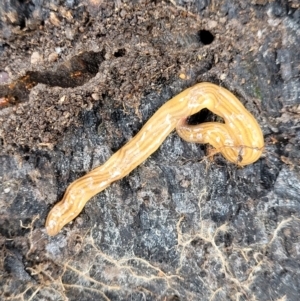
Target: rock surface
{"type": "Point", "coordinates": [79, 80]}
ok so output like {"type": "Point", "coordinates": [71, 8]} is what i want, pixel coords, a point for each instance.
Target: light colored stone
{"type": "Point", "coordinates": [36, 58]}
{"type": "Point", "coordinates": [53, 57]}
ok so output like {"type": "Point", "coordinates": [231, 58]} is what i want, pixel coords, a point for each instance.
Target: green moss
{"type": "Point", "coordinates": [257, 92]}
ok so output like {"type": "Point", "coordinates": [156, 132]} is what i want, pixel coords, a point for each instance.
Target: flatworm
{"type": "Point", "coordinates": [239, 139]}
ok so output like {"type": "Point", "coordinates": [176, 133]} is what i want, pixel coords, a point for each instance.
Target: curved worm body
{"type": "Point", "coordinates": [240, 140]}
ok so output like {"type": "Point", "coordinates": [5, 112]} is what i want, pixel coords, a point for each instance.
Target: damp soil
{"type": "Point", "coordinates": [77, 81]}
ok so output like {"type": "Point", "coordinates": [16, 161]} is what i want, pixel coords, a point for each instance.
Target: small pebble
{"type": "Point", "coordinates": [182, 76]}
{"type": "Point", "coordinates": [62, 99]}
{"type": "Point", "coordinates": [4, 77]}
{"type": "Point", "coordinates": [212, 24]}
{"type": "Point", "coordinates": [54, 20]}
{"type": "Point", "coordinates": [36, 58]}
{"type": "Point", "coordinates": [222, 76]}
{"type": "Point", "coordinates": [95, 96]}
{"type": "Point", "coordinates": [53, 57]}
